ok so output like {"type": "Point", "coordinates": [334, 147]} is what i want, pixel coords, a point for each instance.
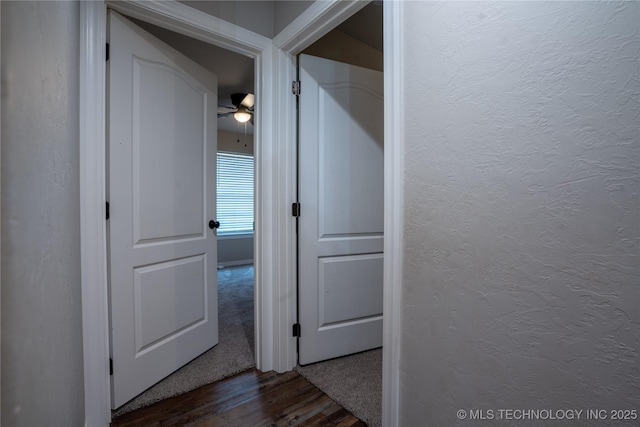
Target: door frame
{"type": "Point", "coordinates": [275, 153]}
{"type": "Point", "coordinates": [320, 18]}
{"type": "Point", "coordinates": [185, 20]}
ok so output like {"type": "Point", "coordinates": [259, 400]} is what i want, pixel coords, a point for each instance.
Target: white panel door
{"type": "Point", "coordinates": [162, 148]}
{"type": "Point", "coordinates": [340, 234]}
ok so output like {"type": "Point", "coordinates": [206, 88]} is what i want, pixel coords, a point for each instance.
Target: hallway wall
{"type": "Point", "coordinates": [42, 368]}
{"type": "Point", "coordinates": [521, 272]}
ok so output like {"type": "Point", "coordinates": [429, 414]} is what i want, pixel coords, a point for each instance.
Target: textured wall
{"type": "Point", "coordinates": [521, 278]}
{"type": "Point", "coordinates": [42, 382]}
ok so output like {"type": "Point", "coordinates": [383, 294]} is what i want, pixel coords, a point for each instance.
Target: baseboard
{"type": "Point", "coordinates": [226, 264]}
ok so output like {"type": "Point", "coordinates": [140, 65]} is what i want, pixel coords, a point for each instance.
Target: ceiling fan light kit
{"type": "Point", "coordinates": [242, 109]}
{"type": "Point", "coordinates": [242, 115]}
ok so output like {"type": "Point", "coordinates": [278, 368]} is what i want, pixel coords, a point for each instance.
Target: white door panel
{"type": "Point", "coordinates": [173, 175]}
{"type": "Point", "coordinates": [162, 147]}
{"type": "Point", "coordinates": [342, 282]}
{"type": "Point", "coordinates": [341, 222]}
{"type": "Point", "coordinates": [350, 179]}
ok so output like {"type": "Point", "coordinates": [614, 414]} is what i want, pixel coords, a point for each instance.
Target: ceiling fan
{"type": "Point", "coordinates": [242, 109]}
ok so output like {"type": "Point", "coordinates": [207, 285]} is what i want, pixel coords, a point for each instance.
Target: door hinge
{"type": "Point", "coordinates": [295, 209]}
{"type": "Point", "coordinates": [107, 52]}
{"type": "Point", "coordinates": [108, 212]}
{"type": "Point", "coordinates": [295, 87]}
{"type": "Point", "coordinates": [296, 330]}
{"type": "Point", "coordinates": [110, 366]}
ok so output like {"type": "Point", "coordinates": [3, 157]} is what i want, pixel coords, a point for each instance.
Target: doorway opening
{"type": "Point", "coordinates": [234, 162]}
{"type": "Point", "coordinates": [340, 229]}
{"type": "Point", "coordinates": [275, 160]}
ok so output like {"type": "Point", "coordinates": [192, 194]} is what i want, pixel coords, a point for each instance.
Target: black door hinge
{"type": "Point", "coordinates": [296, 330]}
{"type": "Point", "coordinates": [295, 209]}
{"type": "Point", "coordinates": [107, 52]}
{"type": "Point", "coordinates": [295, 87]}
{"type": "Point", "coordinates": [110, 366]}
{"type": "Point", "coordinates": [108, 212]}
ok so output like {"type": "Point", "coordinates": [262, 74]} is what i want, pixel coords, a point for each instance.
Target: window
{"type": "Point", "coordinates": [235, 193]}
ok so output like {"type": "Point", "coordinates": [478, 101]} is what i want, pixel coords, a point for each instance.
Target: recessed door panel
{"type": "Point", "coordinates": [342, 283]}
{"type": "Point", "coordinates": [169, 145]}
{"type": "Point", "coordinates": [169, 298]}
{"type": "Point", "coordinates": [351, 159]}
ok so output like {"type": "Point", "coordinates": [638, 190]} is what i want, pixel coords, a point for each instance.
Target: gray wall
{"type": "Point", "coordinates": [256, 16]}
{"type": "Point", "coordinates": [235, 142]}
{"type": "Point", "coordinates": [235, 251]}
{"type": "Point", "coordinates": [264, 17]}
{"type": "Point", "coordinates": [521, 275]}
{"type": "Point", "coordinates": [285, 11]}
{"type": "Point", "coordinates": [42, 381]}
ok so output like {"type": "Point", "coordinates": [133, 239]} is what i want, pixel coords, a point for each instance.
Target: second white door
{"type": "Point", "coordinates": [340, 230]}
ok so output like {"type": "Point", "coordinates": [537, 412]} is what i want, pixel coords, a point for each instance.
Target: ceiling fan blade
{"type": "Point", "coordinates": [228, 113]}
{"type": "Point", "coordinates": [225, 109]}
{"type": "Point", "coordinates": [248, 100]}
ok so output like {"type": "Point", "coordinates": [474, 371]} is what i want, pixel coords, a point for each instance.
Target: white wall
{"type": "Point", "coordinates": [42, 380]}
{"type": "Point", "coordinates": [521, 276]}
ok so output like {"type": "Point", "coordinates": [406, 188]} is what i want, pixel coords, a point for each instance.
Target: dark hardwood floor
{"type": "Point", "coordinates": [249, 399]}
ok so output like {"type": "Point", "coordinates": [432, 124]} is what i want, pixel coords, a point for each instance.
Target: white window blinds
{"type": "Point", "coordinates": [234, 193]}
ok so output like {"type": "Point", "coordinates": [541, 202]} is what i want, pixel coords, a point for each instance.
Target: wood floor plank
{"type": "Point", "coordinates": [252, 398]}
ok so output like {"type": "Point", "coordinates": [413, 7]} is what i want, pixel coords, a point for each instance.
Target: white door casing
{"type": "Point", "coordinates": [162, 147]}
{"type": "Point", "coordinates": [275, 139]}
{"type": "Point", "coordinates": [342, 209]}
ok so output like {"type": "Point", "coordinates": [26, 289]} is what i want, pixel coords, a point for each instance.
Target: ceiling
{"type": "Point", "coordinates": [236, 72]}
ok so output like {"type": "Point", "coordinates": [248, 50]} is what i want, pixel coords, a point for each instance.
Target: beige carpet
{"type": "Point", "coordinates": [355, 382]}
{"type": "Point", "coordinates": [234, 352]}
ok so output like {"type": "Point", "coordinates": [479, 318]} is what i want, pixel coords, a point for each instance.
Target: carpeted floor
{"type": "Point", "coordinates": [234, 352]}
{"type": "Point", "coordinates": [355, 382]}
